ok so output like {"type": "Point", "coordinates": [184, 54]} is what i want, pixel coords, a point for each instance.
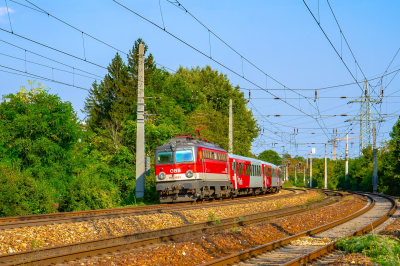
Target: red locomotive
{"type": "Point", "coordinates": [189, 169]}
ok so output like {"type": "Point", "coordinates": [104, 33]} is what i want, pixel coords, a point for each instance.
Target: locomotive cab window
{"type": "Point", "coordinates": [165, 157]}
{"type": "Point", "coordinates": [184, 156]}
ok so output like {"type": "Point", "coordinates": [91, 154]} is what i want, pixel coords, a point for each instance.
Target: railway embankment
{"type": "Point", "coordinates": [44, 236]}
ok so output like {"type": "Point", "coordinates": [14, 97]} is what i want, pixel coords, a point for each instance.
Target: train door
{"type": "Point", "coordinates": [204, 165]}
{"type": "Point", "coordinates": [234, 173]}
{"type": "Point", "coordinates": [274, 178]}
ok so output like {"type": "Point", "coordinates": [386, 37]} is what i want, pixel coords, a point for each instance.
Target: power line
{"type": "Point", "coordinates": [219, 63]}
{"type": "Point", "coordinates": [52, 48]}
{"type": "Point", "coordinates": [37, 76]}
{"type": "Point", "coordinates": [49, 58]}
{"type": "Point", "coordinates": [334, 48]}
{"type": "Point", "coordinates": [46, 66]}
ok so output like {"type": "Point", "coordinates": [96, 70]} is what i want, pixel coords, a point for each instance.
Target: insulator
{"type": "Point", "coordinates": [249, 94]}
{"type": "Point", "coordinates": [315, 96]}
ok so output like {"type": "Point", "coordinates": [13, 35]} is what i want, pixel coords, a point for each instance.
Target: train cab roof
{"type": "Point", "coordinates": [189, 141]}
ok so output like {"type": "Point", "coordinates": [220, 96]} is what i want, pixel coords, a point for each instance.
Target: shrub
{"type": "Point", "coordinates": [20, 194]}
{"type": "Point", "coordinates": [88, 191]}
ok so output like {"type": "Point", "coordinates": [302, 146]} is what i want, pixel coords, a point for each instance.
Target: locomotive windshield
{"type": "Point", "coordinates": [184, 156]}
{"type": "Point", "coordinates": [179, 156]}
{"type": "Point", "coordinates": [165, 157]}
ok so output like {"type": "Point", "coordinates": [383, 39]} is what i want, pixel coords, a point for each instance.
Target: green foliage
{"type": "Point", "coordinates": [89, 191]}
{"type": "Point", "coordinates": [382, 249]}
{"type": "Point", "coordinates": [21, 194]}
{"type": "Point", "coordinates": [270, 156]}
{"type": "Point", "coordinates": [38, 132]}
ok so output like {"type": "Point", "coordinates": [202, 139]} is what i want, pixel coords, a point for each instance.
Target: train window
{"type": "Point", "coordinates": [247, 169]}
{"type": "Point", "coordinates": [165, 157]}
{"type": "Point", "coordinates": [184, 156]}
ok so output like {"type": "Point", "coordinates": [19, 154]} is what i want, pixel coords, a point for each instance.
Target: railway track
{"type": "Point", "coordinates": [60, 254]}
{"type": "Point", "coordinates": [83, 216]}
{"type": "Point", "coordinates": [306, 246]}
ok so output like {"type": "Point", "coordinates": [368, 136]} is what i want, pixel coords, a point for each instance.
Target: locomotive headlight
{"type": "Point", "coordinates": [189, 173]}
{"type": "Point", "coordinates": [161, 176]}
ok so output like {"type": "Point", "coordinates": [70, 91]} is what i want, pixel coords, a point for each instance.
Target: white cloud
{"type": "Point", "coordinates": [3, 13]}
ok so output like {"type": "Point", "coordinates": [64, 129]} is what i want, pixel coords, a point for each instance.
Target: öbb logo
{"type": "Point", "coordinates": [175, 170]}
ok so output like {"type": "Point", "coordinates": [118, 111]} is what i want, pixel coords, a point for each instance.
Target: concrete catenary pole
{"type": "Point", "coordinates": [375, 177]}
{"type": "Point", "coordinates": [230, 150]}
{"type": "Point", "coordinates": [310, 169]}
{"type": "Point", "coordinates": [140, 152]}
{"type": "Point", "coordinates": [326, 172]}
{"type": "Point", "coordinates": [346, 170]}
{"type": "Point", "coordinates": [287, 173]}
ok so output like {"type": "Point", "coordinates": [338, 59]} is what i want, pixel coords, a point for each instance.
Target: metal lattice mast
{"type": "Point", "coordinates": [365, 117]}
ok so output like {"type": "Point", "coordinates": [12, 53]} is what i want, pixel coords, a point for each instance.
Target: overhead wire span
{"type": "Point", "coordinates": [37, 76]}
{"type": "Point", "coordinates": [334, 48]}
{"type": "Point", "coordinates": [58, 62]}
{"type": "Point", "coordinates": [219, 63]}
{"type": "Point", "coordinates": [44, 65]}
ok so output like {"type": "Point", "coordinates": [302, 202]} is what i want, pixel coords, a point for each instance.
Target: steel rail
{"type": "Point", "coordinates": [59, 254]}
{"type": "Point", "coordinates": [247, 254]}
{"type": "Point", "coordinates": [331, 246]}
{"type": "Point", "coordinates": [82, 216]}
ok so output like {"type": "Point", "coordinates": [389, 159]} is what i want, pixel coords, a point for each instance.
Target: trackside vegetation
{"type": "Point", "coordinates": [381, 249]}
{"type": "Point", "coordinates": [50, 160]}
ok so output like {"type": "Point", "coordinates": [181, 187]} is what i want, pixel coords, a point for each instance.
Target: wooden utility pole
{"type": "Point", "coordinates": [346, 170]}
{"type": "Point", "coordinates": [230, 150]}
{"type": "Point", "coordinates": [295, 174]}
{"type": "Point", "coordinates": [140, 152]}
{"type": "Point", "coordinates": [326, 172]}
{"type": "Point", "coordinates": [375, 177]}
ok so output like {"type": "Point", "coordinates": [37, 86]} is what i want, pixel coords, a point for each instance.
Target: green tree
{"type": "Point", "coordinates": [212, 91]}
{"type": "Point", "coordinates": [389, 163]}
{"type": "Point", "coordinates": [38, 132]}
{"type": "Point", "coordinates": [270, 156]}
{"type": "Point", "coordinates": [110, 102]}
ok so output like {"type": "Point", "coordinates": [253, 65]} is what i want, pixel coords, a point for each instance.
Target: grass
{"type": "Point", "coordinates": [321, 197]}
{"type": "Point", "coordinates": [381, 249]}
{"type": "Point", "coordinates": [211, 217]}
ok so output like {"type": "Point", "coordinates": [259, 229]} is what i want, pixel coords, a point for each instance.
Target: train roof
{"type": "Point", "coordinates": [190, 141]}
{"type": "Point", "coordinates": [234, 156]}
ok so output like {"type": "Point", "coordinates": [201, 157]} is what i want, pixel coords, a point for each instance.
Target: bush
{"type": "Point", "coordinates": [383, 250]}
{"type": "Point", "coordinates": [88, 191]}
{"type": "Point", "coordinates": [20, 194]}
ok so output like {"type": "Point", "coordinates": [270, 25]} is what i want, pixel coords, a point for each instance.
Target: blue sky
{"type": "Point", "coordinates": [279, 37]}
